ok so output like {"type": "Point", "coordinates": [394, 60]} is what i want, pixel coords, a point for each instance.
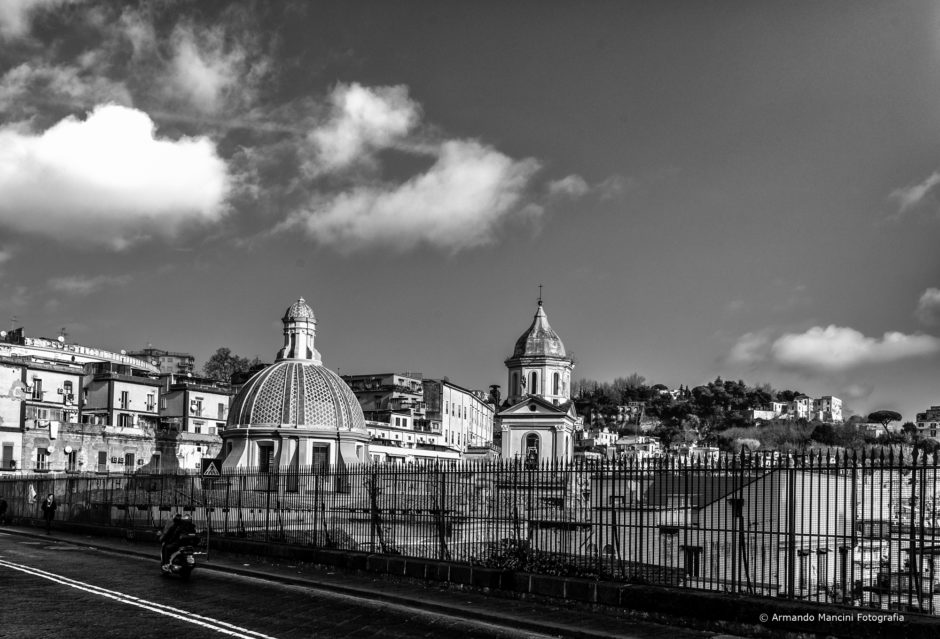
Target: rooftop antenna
{"type": "Point", "coordinates": [63, 334]}
{"type": "Point", "coordinates": [540, 294]}
{"type": "Point", "coordinates": [12, 322]}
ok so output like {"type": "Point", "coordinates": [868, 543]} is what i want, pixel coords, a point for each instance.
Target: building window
{"type": "Point", "coordinates": [124, 420]}
{"type": "Point", "coordinates": [533, 383]}
{"type": "Point", "coordinates": [6, 457]}
{"type": "Point", "coordinates": [692, 556]}
{"type": "Point", "coordinates": [67, 396]}
{"type": "Point", "coordinates": [265, 458]}
{"type": "Point", "coordinates": [197, 427]}
{"type": "Point", "coordinates": [195, 407]}
{"type": "Point", "coordinates": [102, 461]}
{"type": "Point", "coordinates": [128, 462]}
{"type": "Point", "coordinates": [822, 567]}
{"type": "Point", "coordinates": [556, 384]}
{"type": "Point", "coordinates": [124, 400]}
{"type": "Point", "coordinates": [155, 463]}
{"type": "Point", "coordinates": [515, 384]}
{"type": "Point", "coordinates": [37, 389]}
{"type": "Point", "coordinates": [151, 402]}
{"type": "Point", "coordinates": [221, 411]}
{"type": "Point", "coordinates": [42, 459]}
{"type": "Point", "coordinates": [72, 461]}
{"type": "Point", "coordinates": [804, 570]}
{"type": "Point", "coordinates": [163, 403]}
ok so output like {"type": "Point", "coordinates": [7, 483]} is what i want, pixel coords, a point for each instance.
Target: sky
{"type": "Point", "coordinates": [745, 189]}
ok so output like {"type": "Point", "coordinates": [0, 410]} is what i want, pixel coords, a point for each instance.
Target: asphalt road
{"type": "Point", "coordinates": [54, 589]}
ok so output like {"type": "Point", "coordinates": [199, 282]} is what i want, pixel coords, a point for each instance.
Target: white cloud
{"type": "Point", "coordinates": [204, 69]}
{"type": "Point", "coordinates": [571, 186]}
{"type": "Point", "coordinates": [81, 285]}
{"type": "Point", "coordinates": [750, 349]}
{"type": "Point", "coordinates": [928, 306]}
{"type": "Point", "coordinates": [361, 121]}
{"type": "Point", "coordinates": [913, 196]}
{"type": "Point", "coordinates": [456, 204]}
{"type": "Point", "coordinates": [107, 179]}
{"type": "Point", "coordinates": [829, 350]}
{"type": "Point", "coordinates": [837, 348]}
{"type": "Point", "coordinates": [29, 86]}
{"type": "Point", "coordinates": [16, 15]}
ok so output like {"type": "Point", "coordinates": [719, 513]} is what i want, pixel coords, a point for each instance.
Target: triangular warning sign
{"type": "Point", "coordinates": [210, 468]}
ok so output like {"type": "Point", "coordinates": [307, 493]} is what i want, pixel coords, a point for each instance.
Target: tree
{"type": "Point", "coordinates": [495, 395]}
{"type": "Point", "coordinates": [224, 363]}
{"type": "Point", "coordinates": [884, 417]}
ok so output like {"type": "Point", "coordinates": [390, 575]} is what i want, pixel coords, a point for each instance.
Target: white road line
{"type": "Point", "coordinates": [183, 615]}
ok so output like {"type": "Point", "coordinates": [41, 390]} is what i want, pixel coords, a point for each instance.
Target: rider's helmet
{"type": "Point", "coordinates": [187, 518]}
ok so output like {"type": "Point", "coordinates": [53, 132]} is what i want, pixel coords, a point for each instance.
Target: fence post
{"type": "Point", "coordinates": [791, 532]}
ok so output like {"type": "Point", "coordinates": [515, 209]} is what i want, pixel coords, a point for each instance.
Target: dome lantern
{"type": "Point", "coordinates": [300, 331]}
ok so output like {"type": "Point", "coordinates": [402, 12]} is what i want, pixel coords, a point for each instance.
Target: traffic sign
{"type": "Point", "coordinates": [211, 467]}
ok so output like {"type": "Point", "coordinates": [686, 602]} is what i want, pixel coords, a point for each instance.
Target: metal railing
{"type": "Point", "coordinates": [843, 528]}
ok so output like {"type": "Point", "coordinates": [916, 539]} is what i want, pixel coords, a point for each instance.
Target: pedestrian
{"type": "Point", "coordinates": [3, 510]}
{"type": "Point", "coordinates": [48, 511]}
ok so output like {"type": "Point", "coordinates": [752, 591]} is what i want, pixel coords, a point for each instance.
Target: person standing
{"type": "Point", "coordinates": [49, 507]}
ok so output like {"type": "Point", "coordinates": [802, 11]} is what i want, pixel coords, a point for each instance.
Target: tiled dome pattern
{"type": "Point", "coordinates": [297, 394]}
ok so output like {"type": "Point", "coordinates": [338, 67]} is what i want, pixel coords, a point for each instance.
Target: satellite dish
{"type": "Point", "coordinates": [61, 339]}
{"type": "Point", "coordinates": [123, 352]}
{"type": "Point", "coordinates": [3, 333]}
{"type": "Point", "coordinates": [50, 449]}
{"type": "Point", "coordinates": [68, 450]}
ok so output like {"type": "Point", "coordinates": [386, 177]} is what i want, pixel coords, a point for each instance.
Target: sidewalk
{"type": "Point", "coordinates": [556, 620]}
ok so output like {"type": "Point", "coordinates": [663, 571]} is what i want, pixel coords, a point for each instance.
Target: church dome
{"type": "Point", "coordinates": [540, 340]}
{"type": "Point", "coordinates": [297, 394]}
{"type": "Point", "coordinates": [299, 310]}
{"type": "Point", "coordinates": [297, 391]}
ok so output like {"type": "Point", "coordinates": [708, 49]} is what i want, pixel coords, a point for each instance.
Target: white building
{"type": "Point", "coordinates": [928, 423]}
{"type": "Point", "coordinates": [538, 420]}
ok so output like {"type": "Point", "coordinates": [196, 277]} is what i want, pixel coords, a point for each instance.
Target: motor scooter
{"type": "Point", "coordinates": [183, 560]}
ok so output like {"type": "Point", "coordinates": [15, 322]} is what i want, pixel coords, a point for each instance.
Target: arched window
{"type": "Point", "coordinates": [534, 383]}
{"type": "Point", "coordinates": [531, 452]}
{"type": "Point", "coordinates": [515, 384]}
{"type": "Point", "coordinates": [556, 384]}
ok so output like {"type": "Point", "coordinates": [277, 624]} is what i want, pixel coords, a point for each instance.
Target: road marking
{"type": "Point", "coordinates": [217, 625]}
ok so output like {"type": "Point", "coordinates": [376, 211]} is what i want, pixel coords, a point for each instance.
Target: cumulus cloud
{"type": "Point", "coordinates": [82, 285]}
{"type": "Point", "coordinates": [928, 307]}
{"type": "Point", "coordinates": [456, 204]}
{"type": "Point", "coordinates": [914, 196]}
{"type": "Point", "coordinates": [361, 121]}
{"type": "Point", "coordinates": [107, 179]}
{"type": "Point", "coordinates": [831, 349]}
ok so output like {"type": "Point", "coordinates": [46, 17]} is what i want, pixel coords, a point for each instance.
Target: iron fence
{"type": "Point", "coordinates": [840, 528]}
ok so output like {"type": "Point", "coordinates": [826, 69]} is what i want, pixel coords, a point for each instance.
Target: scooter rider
{"type": "Point", "coordinates": [180, 525]}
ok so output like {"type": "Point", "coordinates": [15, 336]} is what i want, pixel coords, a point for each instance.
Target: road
{"type": "Point", "coordinates": [53, 589]}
